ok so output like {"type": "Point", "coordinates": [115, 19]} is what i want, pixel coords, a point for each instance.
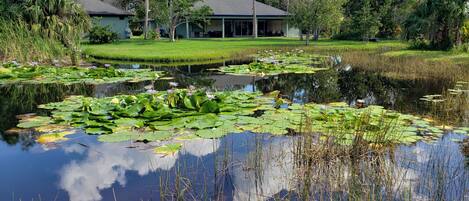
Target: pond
{"type": "Point", "coordinates": [242, 166]}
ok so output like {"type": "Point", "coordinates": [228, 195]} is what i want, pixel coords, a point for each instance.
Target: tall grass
{"type": "Point", "coordinates": [406, 67]}
{"type": "Point", "coordinates": [19, 42]}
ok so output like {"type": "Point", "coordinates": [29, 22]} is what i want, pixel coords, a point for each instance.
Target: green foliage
{"type": "Point", "coordinates": [55, 21]}
{"type": "Point", "coordinates": [180, 112]}
{"type": "Point", "coordinates": [19, 42]}
{"type": "Point", "coordinates": [72, 75]}
{"type": "Point", "coordinates": [366, 21]}
{"type": "Point", "coordinates": [439, 21]}
{"type": "Point", "coordinates": [168, 149]}
{"type": "Point", "coordinates": [385, 15]}
{"type": "Point", "coordinates": [173, 12]}
{"type": "Point", "coordinates": [312, 16]}
{"type": "Point", "coordinates": [102, 34]}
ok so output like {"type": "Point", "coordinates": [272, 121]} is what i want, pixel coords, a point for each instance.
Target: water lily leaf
{"type": "Point", "coordinates": [168, 149]}
{"type": "Point", "coordinates": [33, 122]}
{"type": "Point", "coordinates": [54, 137]}
{"type": "Point", "coordinates": [129, 122]}
{"type": "Point", "coordinates": [210, 106]}
{"type": "Point", "coordinates": [51, 128]}
{"type": "Point", "coordinates": [96, 131]}
{"type": "Point", "coordinates": [149, 135]}
{"type": "Point", "coordinates": [204, 121]}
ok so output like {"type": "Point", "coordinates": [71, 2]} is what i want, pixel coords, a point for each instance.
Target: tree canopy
{"type": "Point", "coordinates": [312, 16]}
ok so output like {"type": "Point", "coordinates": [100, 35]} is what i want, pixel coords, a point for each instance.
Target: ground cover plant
{"type": "Point", "coordinates": [181, 114]}
{"type": "Point", "coordinates": [15, 74]}
{"type": "Point", "coordinates": [274, 63]}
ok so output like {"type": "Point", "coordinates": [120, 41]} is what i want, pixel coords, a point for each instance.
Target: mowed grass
{"type": "Point", "coordinates": [216, 49]}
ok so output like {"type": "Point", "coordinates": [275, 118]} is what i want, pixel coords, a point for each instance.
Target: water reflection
{"type": "Point", "coordinates": [106, 164]}
{"type": "Point", "coordinates": [262, 167]}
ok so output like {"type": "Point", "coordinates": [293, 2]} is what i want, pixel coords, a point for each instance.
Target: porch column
{"type": "Point", "coordinates": [223, 27]}
{"type": "Point", "coordinates": [287, 29]}
{"type": "Point", "coordinates": [187, 29]}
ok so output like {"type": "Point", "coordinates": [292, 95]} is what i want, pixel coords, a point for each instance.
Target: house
{"type": "Point", "coordinates": [108, 14]}
{"type": "Point", "coordinates": [234, 18]}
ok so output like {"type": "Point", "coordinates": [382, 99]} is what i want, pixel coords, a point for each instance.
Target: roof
{"type": "Point", "coordinates": [240, 8]}
{"type": "Point", "coordinates": [99, 8]}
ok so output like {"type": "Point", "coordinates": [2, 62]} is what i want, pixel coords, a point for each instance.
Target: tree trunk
{"type": "Point", "coordinates": [308, 35]}
{"type": "Point", "coordinates": [172, 33]}
{"type": "Point", "coordinates": [316, 34]}
{"type": "Point", "coordinates": [458, 36]}
{"type": "Point", "coordinates": [172, 21]}
{"type": "Point", "coordinates": [254, 19]}
{"type": "Point", "coordinates": [145, 27]}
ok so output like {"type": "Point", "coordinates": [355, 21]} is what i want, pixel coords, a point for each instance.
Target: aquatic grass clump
{"type": "Point", "coordinates": [280, 62]}
{"type": "Point", "coordinates": [451, 106]}
{"type": "Point", "coordinates": [12, 74]}
{"type": "Point", "coordinates": [191, 113]}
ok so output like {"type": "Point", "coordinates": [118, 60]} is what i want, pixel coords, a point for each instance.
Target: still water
{"type": "Point", "coordinates": [242, 166]}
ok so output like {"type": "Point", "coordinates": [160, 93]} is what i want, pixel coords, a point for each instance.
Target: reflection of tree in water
{"type": "Point", "coordinates": [319, 87]}
{"type": "Point", "coordinates": [401, 95]}
{"type": "Point", "coordinates": [21, 99]}
{"type": "Point", "coordinates": [348, 86]}
{"type": "Point", "coordinates": [24, 98]}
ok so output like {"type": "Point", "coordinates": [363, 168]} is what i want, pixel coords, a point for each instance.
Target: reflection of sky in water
{"type": "Point", "coordinates": [259, 167]}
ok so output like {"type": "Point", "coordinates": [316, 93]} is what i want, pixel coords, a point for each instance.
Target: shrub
{"type": "Point", "coordinates": [419, 43]}
{"type": "Point", "coordinates": [102, 34]}
{"type": "Point", "coordinates": [152, 34]}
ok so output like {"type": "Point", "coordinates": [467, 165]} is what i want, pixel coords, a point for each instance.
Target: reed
{"type": "Point", "coordinates": [406, 67]}
{"type": "Point", "coordinates": [19, 42]}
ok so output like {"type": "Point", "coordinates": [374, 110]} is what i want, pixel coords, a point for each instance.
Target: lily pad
{"type": "Point", "coordinates": [168, 149]}
{"type": "Point", "coordinates": [54, 137]}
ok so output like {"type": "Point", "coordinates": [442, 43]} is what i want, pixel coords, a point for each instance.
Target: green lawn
{"type": "Point", "coordinates": [216, 49]}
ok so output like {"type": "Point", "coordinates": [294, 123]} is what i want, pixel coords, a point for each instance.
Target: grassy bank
{"type": "Point", "coordinates": [458, 57]}
{"type": "Point", "coordinates": [216, 49]}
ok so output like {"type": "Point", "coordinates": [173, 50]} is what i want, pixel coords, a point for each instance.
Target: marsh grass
{"type": "Point", "coordinates": [451, 106]}
{"type": "Point", "coordinates": [18, 42]}
{"type": "Point", "coordinates": [406, 67]}
{"type": "Point", "coordinates": [367, 170]}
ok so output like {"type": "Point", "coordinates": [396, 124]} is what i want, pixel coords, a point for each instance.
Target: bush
{"type": "Point", "coordinates": [154, 35]}
{"type": "Point", "coordinates": [419, 43]}
{"type": "Point", "coordinates": [102, 34]}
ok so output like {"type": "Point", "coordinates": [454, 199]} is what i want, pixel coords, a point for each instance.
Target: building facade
{"type": "Point", "coordinates": [234, 18]}
{"type": "Point", "coordinates": [109, 15]}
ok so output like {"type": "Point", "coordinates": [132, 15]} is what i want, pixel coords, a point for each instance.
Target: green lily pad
{"type": "Point", "coordinates": [168, 149]}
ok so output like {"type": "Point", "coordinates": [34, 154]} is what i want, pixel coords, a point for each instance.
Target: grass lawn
{"type": "Point", "coordinates": [216, 49]}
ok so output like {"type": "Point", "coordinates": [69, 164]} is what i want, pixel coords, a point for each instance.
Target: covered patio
{"type": "Point", "coordinates": [234, 18]}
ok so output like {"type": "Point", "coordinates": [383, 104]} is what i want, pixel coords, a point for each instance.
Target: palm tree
{"type": "Point", "coordinates": [62, 20]}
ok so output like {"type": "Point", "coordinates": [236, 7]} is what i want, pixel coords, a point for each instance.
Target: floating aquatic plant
{"type": "Point", "coordinates": [178, 113]}
{"type": "Point", "coordinates": [168, 149]}
{"type": "Point", "coordinates": [71, 75]}
{"type": "Point", "coordinates": [274, 63]}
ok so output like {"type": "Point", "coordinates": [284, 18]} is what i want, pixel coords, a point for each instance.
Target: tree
{"type": "Point", "coordinates": [312, 16]}
{"type": "Point", "coordinates": [174, 12]}
{"type": "Point", "coordinates": [439, 21]}
{"type": "Point", "coordinates": [366, 22]}
{"type": "Point", "coordinates": [389, 16]}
